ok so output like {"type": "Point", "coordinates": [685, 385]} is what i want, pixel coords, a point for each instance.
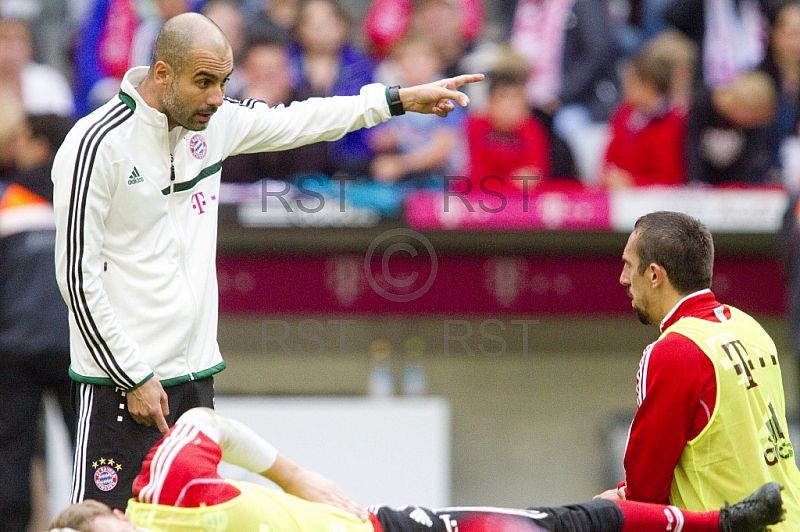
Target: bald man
{"type": "Point", "coordinates": [136, 193]}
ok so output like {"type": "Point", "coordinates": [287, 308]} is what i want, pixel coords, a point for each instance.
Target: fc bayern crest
{"type": "Point", "coordinates": [198, 146]}
{"type": "Point", "coordinates": [105, 478]}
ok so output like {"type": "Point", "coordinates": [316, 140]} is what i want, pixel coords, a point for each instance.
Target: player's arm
{"type": "Point", "coordinates": [672, 373]}
{"type": "Point", "coordinates": [255, 127]}
{"type": "Point", "coordinates": [309, 485]}
{"type": "Point", "coordinates": [243, 447]}
{"type": "Point", "coordinates": [81, 200]}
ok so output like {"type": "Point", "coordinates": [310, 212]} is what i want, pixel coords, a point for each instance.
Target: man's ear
{"type": "Point", "coordinates": [163, 74]}
{"type": "Point", "coordinates": [121, 515]}
{"type": "Point", "coordinates": [658, 275]}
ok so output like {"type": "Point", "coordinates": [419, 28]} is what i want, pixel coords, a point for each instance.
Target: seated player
{"type": "Point", "coordinates": [179, 490]}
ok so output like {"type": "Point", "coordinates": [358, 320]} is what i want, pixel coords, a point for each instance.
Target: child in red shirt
{"type": "Point", "coordinates": [507, 141]}
{"type": "Point", "coordinates": [647, 131]}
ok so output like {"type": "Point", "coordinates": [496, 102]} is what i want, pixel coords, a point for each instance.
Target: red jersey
{"type": "Point", "coordinates": [181, 470]}
{"type": "Point", "coordinates": [651, 149]}
{"type": "Point", "coordinates": [503, 155]}
{"type": "Point", "coordinates": [677, 390]}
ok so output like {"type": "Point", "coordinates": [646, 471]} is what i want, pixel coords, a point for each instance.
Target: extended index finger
{"type": "Point", "coordinates": [161, 422]}
{"type": "Point", "coordinates": [464, 79]}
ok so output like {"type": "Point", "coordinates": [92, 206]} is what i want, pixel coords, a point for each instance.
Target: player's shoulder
{"type": "Point", "coordinates": [100, 120]}
{"type": "Point", "coordinates": [674, 349]}
{"type": "Point", "coordinates": [234, 104]}
{"type": "Point", "coordinates": [674, 358]}
{"type": "Point", "coordinates": [235, 112]}
{"type": "Point", "coordinates": [97, 126]}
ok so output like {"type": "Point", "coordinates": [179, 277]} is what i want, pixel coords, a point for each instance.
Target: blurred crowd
{"type": "Point", "coordinates": [580, 93]}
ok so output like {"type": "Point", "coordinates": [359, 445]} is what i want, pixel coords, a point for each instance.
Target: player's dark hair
{"type": "Point", "coordinates": [80, 516]}
{"type": "Point", "coordinates": [680, 244]}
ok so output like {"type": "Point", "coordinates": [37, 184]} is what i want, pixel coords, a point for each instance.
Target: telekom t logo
{"type": "Point", "coordinates": [199, 201]}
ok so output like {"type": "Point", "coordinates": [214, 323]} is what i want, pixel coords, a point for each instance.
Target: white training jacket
{"type": "Point", "coordinates": [136, 250]}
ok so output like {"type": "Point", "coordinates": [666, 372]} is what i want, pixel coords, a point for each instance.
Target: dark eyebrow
{"type": "Point", "coordinates": [206, 74]}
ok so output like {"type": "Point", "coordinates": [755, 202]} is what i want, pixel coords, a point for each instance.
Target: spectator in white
{"type": "Point", "coordinates": [42, 88]}
{"type": "Point", "coordinates": [570, 48]}
{"type": "Point", "coordinates": [731, 34]}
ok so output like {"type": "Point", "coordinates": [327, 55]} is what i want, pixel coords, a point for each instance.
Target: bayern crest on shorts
{"type": "Point", "coordinates": [198, 146]}
{"type": "Point", "coordinates": [105, 478]}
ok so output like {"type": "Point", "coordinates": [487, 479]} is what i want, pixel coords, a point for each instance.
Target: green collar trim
{"type": "Point", "coordinates": [127, 100]}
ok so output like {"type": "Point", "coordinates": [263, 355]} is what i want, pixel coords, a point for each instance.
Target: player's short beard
{"type": "Point", "coordinates": [643, 315]}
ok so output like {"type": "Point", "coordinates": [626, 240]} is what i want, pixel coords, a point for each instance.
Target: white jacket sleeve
{"type": "Point", "coordinates": [255, 127]}
{"type": "Point", "coordinates": [81, 200]}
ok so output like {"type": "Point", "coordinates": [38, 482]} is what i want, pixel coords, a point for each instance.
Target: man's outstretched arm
{"type": "Point", "coordinates": [261, 128]}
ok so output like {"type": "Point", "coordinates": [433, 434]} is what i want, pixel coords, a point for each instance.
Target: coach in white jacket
{"type": "Point", "coordinates": [136, 197]}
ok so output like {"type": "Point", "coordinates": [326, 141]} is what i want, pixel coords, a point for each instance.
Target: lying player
{"type": "Point", "coordinates": [179, 490]}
